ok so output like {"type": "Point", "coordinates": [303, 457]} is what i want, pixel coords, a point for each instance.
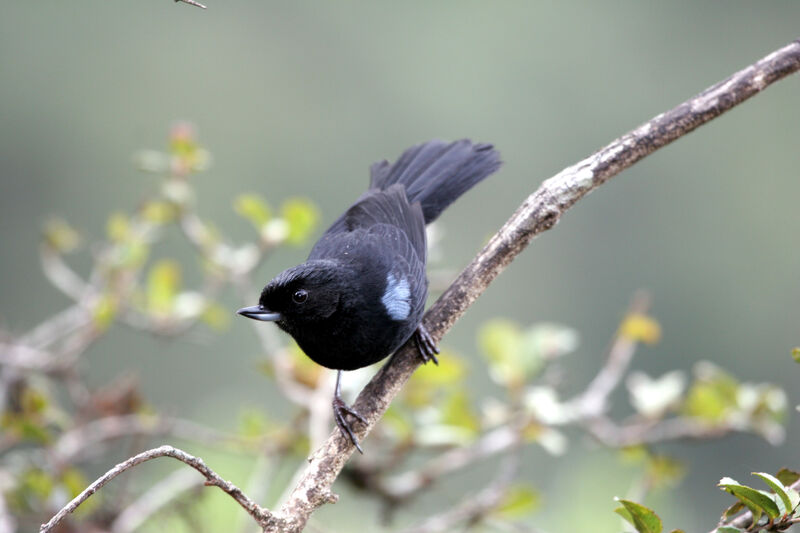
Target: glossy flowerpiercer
{"type": "Point", "coordinates": [361, 293]}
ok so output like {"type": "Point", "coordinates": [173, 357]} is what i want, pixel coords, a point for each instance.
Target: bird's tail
{"type": "Point", "coordinates": [436, 173]}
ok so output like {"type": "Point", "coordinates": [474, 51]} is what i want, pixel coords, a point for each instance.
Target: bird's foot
{"type": "Point", "coordinates": [427, 347]}
{"type": "Point", "coordinates": [340, 409]}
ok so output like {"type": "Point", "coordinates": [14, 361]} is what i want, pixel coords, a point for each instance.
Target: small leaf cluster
{"type": "Point", "coordinates": [770, 510]}
{"type": "Point", "coordinates": [775, 509]}
{"type": "Point", "coordinates": [47, 410]}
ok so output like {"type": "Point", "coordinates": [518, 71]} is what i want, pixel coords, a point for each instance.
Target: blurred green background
{"type": "Point", "coordinates": [298, 98]}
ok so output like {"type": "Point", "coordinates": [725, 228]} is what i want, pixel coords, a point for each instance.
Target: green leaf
{"type": "Point", "coordinates": [60, 236]}
{"type": "Point", "coordinates": [399, 423]}
{"type": "Point", "coordinates": [182, 138]}
{"type": "Point", "coordinates": [302, 217]}
{"type": "Point", "coordinates": [516, 355]}
{"type": "Point", "coordinates": [38, 483]}
{"type": "Point", "coordinates": [74, 481]}
{"type": "Point", "coordinates": [519, 501]}
{"type": "Point", "coordinates": [158, 212]}
{"type": "Point", "coordinates": [777, 487]}
{"type": "Point", "coordinates": [640, 328]}
{"type": "Point", "coordinates": [755, 500]}
{"type": "Point", "coordinates": [501, 343]}
{"type": "Point", "coordinates": [303, 369]}
{"type": "Point", "coordinates": [253, 423]}
{"type": "Point", "coordinates": [634, 455]}
{"type": "Point", "coordinates": [794, 498]}
{"type": "Point", "coordinates": [624, 514]}
{"type": "Point", "coordinates": [118, 227]}
{"type": "Point", "coordinates": [27, 427]}
{"type": "Point", "coordinates": [33, 401]}
{"type": "Point", "coordinates": [643, 519]}
{"type": "Point", "coordinates": [796, 354]}
{"type": "Point", "coordinates": [733, 510]}
{"type": "Point", "coordinates": [215, 316]}
{"type": "Point", "coordinates": [729, 529]}
{"type": "Point", "coordinates": [713, 395]}
{"type": "Point", "coordinates": [104, 311]}
{"type": "Point", "coordinates": [449, 421]}
{"type": "Point", "coordinates": [187, 155]}
{"type": "Point", "coordinates": [457, 412]}
{"type": "Point", "coordinates": [254, 208]}
{"type": "Point", "coordinates": [787, 476]}
{"type": "Point", "coordinates": [663, 470]}
{"type": "Point", "coordinates": [131, 253]}
{"type": "Point", "coordinates": [430, 380]}
{"type": "Point", "coordinates": [162, 287]}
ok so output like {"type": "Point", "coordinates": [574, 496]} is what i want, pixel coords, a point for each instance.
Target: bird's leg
{"type": "Point", "coordinates": [340, 409]}
{"type": "Point", "coordinates": [427, 348]}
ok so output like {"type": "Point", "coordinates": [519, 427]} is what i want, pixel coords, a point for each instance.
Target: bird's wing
{"type": "Point", "coordinates": [378, 208]}
{"type": "Point", "coordinates": [406, 269]}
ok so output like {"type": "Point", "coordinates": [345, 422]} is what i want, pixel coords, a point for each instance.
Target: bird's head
{"type": "Point", "coordinates": [300, 295]}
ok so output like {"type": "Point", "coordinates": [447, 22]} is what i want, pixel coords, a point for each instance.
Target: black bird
{"type": "Point", "coordinates": [361, 293]}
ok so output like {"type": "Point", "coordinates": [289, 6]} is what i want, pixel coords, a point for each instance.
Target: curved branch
{"type": "Point", "coordinates": [262, 516]}
{"type": "Point", "coordinates": [538, 213]}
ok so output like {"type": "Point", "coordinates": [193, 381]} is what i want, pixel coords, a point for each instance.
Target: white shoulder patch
{"type": "Point", "coordinates": [397, 298]}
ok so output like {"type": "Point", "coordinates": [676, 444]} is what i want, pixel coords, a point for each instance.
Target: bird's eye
{"type": "Point", "coordinates": [300, 296]}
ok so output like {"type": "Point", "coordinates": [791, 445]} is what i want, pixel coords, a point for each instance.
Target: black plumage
{"type": "Point", "coordinates": [361, 293]}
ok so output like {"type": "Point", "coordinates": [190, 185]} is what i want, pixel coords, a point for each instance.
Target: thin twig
{"type": "Point", "coordinates": [74, 442]}
{"type": "Point", "coordinates": [492, 443]}
{"type": "Point", "coordinates": [475, 507]}
{"type": "Point", "coordinates": [63, 277]}
{"type": "Point", "coordinates": [594, 400]}
{"type": "Point", "coordinates": [262, 516]}
{"type": "Point", "coordinates": [63, 323]}
{"type": "Point", "coordinates": [25, 357]}
{"type": "Point", "coordinates": [192, 3]}
{"type": "Point", "coordinates": [651, 432]}
{"type": "Point", "coordinates": [7, 522]}
{"type": "Point", "coordinates": [540, 212]}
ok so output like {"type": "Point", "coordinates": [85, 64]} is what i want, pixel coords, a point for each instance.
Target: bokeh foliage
{"type": "Point", "coordinates": [56, 426]}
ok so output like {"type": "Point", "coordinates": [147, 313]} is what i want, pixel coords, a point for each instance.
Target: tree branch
{"type": "Point", "coordinates": [473, 508]}
{"type": "Point", "coordinates": [72, 444]}
{"type": "Point", "coordinates": [262, 516]}
{"type": "Point", "coordinates": [593, 402]}
{"type": "Point", "coordinates": [538, 213]}
{"type": "Point", "coordinates": [192, 3]}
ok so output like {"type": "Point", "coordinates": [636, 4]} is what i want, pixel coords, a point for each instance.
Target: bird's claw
{"type": "Point", "coordinates": [427, 347]}
{"type": "Point", "coordinates": [340, 409]}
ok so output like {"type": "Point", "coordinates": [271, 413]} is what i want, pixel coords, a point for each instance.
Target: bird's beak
{"type": "Point", "coordinates": [256, 312]}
